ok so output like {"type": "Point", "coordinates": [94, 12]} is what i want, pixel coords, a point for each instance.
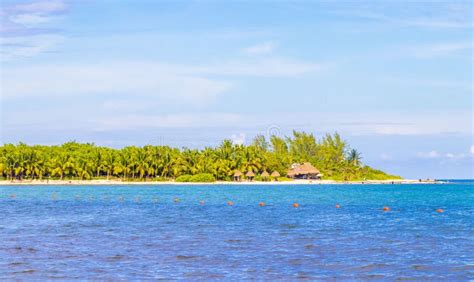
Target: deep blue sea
{"type": "Point", "coordinates": [163, 232]}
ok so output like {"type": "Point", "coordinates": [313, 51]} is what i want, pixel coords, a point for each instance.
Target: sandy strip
{"type": "Point", "coordinates": [295, 182]}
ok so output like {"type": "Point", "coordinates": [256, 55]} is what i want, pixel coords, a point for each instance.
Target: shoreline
{"type": "Point", "coordinates": [158, 183]}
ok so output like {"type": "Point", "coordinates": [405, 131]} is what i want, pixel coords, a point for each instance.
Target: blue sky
{"type": "Point", "coordinates": [393, 77]}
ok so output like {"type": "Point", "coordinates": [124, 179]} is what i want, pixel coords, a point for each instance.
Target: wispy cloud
{"type": "Point", "coordinates": [28, 46]}
{"type": "Point", "coordinates": [429, 155]}
{"type": "Point", "coordinates": [177, 82]}
{"type": "Point", "coordinates": [25, 31]}
{"type": "Point", "coordinates": [386, 157]}
{"type": "Point", "coordinates": [183, 120]}
{"type": "Point", "coordinates": [238, 139]}
{"type": "Point", "coordinates": [440, 49]}
{"type": "Point", "coordinates": [434, 154]}
{"type": "Point", "coordinates": [271, 67]}
{"type": "Point", "coordinates": [259, 49]}
{"type": "Point", "coordinates": [40, 7]}
{"type": "Point", "coordinates": [431, 83]}
{"type": "Point", "coordinates": [135, 79]}
{"type": "Point", "coordinates": [428, 14]}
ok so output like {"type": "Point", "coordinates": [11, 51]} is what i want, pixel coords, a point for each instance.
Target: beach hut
{"type": "Point", "coordinates": [304, 171]}
{"type": "Point", "coordinates": [265, 175]}
{"type": "Point", "coordinates": [237, 175]}
{"type": "Point", "coordinates": [250, 175]}
{"type": "Point", "coordinates": [275, 175]}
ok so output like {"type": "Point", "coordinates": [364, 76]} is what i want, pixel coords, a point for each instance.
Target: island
{"type": "Point", "coordinates": [300, 158]}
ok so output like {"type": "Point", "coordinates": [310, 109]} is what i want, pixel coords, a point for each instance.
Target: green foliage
{"type": "Point", "coordinates": [202, 177]}
{"type": "Point", "coordinates": [160, 179]}
{"type": "Point", "coordinates": [72, 160]}
{"type": "Point", "coordinates": [258, 177]}
{"type": "Point", "coordinates": [184, 178]}
{"type": "Point", "coordinates": [282, 178]}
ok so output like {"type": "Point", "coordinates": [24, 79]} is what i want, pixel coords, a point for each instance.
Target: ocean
{"type": "Point", "coordinates": [165, 232]}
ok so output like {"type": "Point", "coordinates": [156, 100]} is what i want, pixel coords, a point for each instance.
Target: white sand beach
{"type": "Point", "coordinates": [294, 182]}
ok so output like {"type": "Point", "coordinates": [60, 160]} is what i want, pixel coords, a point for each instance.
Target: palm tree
{"type": "Point", "coordinates": [84, 168]}
{"type": "Point", "coordinates": [62, 164]}
{"type": "Point", "coordinates": [330, 155]}
{"type": "Point", "coordinates": [354, 157]}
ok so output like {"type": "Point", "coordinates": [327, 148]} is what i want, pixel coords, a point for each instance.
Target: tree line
{"type": "Point", "coordinates": [72, 160]}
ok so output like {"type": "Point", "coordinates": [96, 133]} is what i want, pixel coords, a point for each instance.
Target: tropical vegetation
{"type": "Point", "coordinates": [330, 154]}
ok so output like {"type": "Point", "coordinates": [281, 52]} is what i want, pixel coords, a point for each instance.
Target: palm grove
{"type": "Point", "coordinates": [72, 160]}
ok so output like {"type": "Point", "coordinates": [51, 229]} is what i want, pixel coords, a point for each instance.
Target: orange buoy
{"type": "Point", "coordinates": [296, 205]}
{"type": "Point", "coordinates": [338, 206]}
{"type": "Point", "coordinates": [386, 209]}
{"type": "Point", "coordinates": [202, 202]}
{"type": "Point", "coordinates": [439, 210]}
{"type": "Point", "coordinates": [230, 203]}
{"type": "Point", "coordinates": [262, 204]}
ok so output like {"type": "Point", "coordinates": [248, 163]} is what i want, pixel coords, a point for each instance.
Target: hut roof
{"type": "Point", "coordinates": [275, 174]}
{"type": "Point", "coordinates": [250, 174]}
{"type": "Point", "coordinates": [265, 174]}
{"type": "Point", "coordinates": [237, 173]}
{"type": "Point", "coordinates": [305, 168]}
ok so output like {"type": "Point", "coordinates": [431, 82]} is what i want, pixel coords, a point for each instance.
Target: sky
{"type": "Point", "coordinates": [394, 78]}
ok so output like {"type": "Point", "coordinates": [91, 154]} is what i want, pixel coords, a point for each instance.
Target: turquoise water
{"type": "Point", "coordinates": [144, 232]}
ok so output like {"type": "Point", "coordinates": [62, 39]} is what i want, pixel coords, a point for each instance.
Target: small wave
{"type": "Point", "coordinates": [372, 266]}
{"type": "Point", "coordinates": [183, 257]}
{"type": "Point", "coordinates": [236, 241]}
{"type": "Point", "coordinates": [116, 257]}
{"type": "Point", "coordinates": [26, 271]}
{"type": "Point", "coordinates": [419, 267]}
{"type": "Point", "coordinates": [289, 226]}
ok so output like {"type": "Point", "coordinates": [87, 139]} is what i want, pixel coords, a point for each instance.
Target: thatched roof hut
{"type": "Point", "coordinates": [250, 174]}
{"type": "Point", "coordinates": [304, 171]}
{"type": "Point", "coordinates": [237, 175]}
{"type": "Point", "coordinates": [275, 174]}
{"type": "Point", "coordinates": [265, 174]}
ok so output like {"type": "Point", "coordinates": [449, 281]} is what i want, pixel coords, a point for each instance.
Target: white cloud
{"type": "Point", "coordinates": [23, 28]}
{"type": "Point", "coordinates": [435, 15]}
{"type": "Point", "coordinates": [429, 155]}
{"type": "Point", "coordinates": [446, 156]}
{"type": "Point", "coordinates": [440, 49]}
{"type": "Point", "coordinates": [386, 157]}
{"type": "Point", "coordinates": [432, 83]}
{"type": "Point", "coordinates": [238, 139]}
{"type": "Point", "coordinates": [471, 150]}
{"type": "Point", "coordinates": [28, 46]}
{"type": "Point", "coordinates": [436, 23]}
{"type": "Point", "coordinates": [48, 6]}
{"type": "Point", "coordinates": [132, 78]}
{"type": "Point", "coordinates": [184, 120]}
{"type": "Point", "coordinates": [259, 49]}
{"type": "Point", "coordinates": [136, 78]}
{"type": "Point", "coordinates": [30, 19]}
{"type": "Point", "coordinates": [275, 67]}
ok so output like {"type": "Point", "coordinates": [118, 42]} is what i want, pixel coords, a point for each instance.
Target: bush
{"type": "Point", "coordinates": [282, 178]}
{"type": "Point", "coordinates": [202, 177]}
{"type": "Point", "coordinates": [160, 179]}
{"type": "Point", "coordinates": [183, 178]}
